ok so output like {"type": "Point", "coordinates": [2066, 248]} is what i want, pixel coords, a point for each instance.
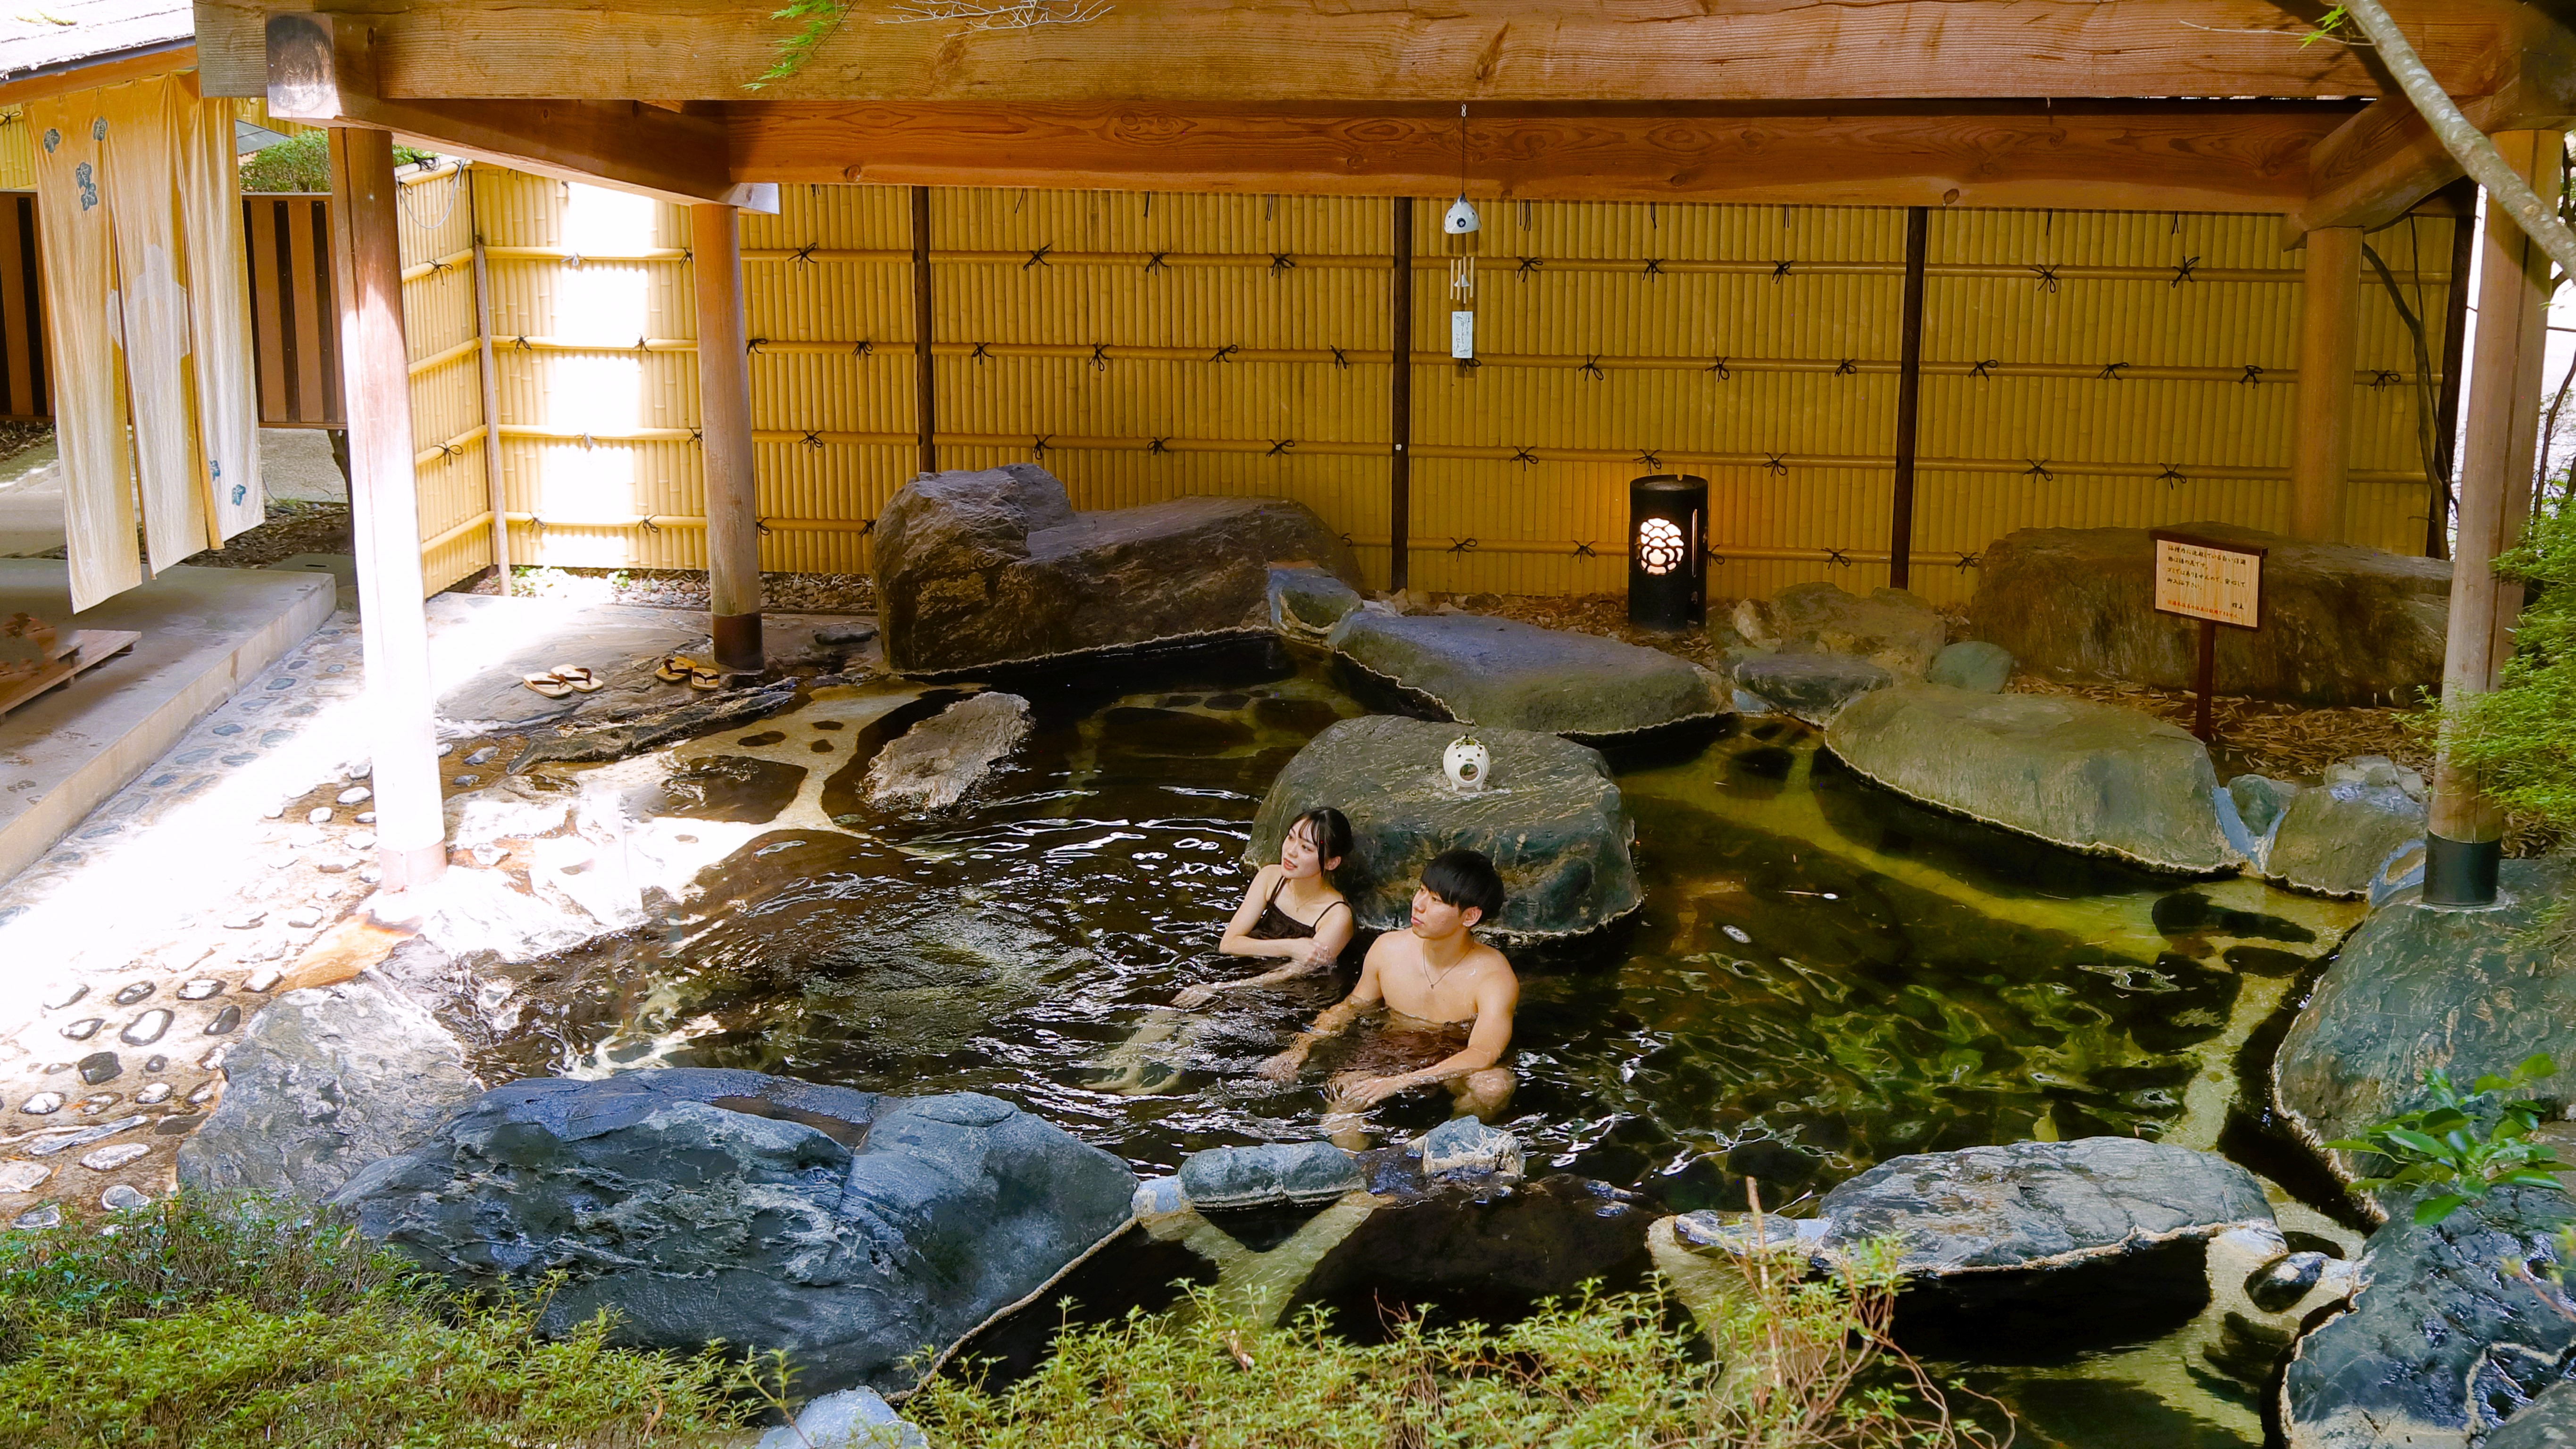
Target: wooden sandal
{"type": "Point", "coordinates": [705, 679]}
{"type": "Point", "coordinates": [580, 678]}
{"type": "Point", "coordinates": [550, 685]}
{"type": "Point", "coordinates": [675, 669]}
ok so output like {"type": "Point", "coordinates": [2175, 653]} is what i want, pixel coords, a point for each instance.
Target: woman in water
{"type": "Point", "coordinates": [1291, 913]}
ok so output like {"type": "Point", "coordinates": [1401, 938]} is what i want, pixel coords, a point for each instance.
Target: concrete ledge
{"type": "Point", "coordinates": [205, 633]}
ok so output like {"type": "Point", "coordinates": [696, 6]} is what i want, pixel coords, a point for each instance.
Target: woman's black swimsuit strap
{"type": "Point", "coordinates": [1274, 924]}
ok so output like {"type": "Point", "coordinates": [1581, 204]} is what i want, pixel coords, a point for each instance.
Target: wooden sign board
{"type": "Point", "coordinates": [2201, 578]}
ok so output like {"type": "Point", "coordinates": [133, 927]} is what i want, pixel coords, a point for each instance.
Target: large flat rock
{"type": "Point", "coordinates": [850, 1229]}
{"type": "Point", "coordinates": [1503, 674]}
{"type": "Point", "coordinates": [992, 569]}
{"type": "Point", "coordinates": [1551, 819]}
{"type": "Point", "coordinates": [2342, 625]}
{"type": "Point", "coordinates": [2090, 777]}
{"type": "Point", "coordinates": [2415, 989]}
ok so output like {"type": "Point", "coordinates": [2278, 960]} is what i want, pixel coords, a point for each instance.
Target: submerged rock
{"type": "Point", "coordinates": [2548, 1423]}
{"type": "Point", "coordinates": [2342, 624]}
{"type": "Point", "coordinates": [1813, 687]}
{"type": "Point", "coordinates": [1306, 603]}
{"type": "Point", "coordinates": [2416, 988]}
{"type": "Point", "coordinates": [2456, 1328]}
{"type": "Point", "coordinates": [325, 1081]}
{"type": "Point", "coordinates": [1503, 674]}
{"type": "Point", "coordinates": [1890, 628]}
{"type": "Point", "coordinates": [850, 1419]}
{"type": "Point", "coordinates": [985, 569]}
{"type": "Point", "coordinates": [1486, 1250]}
{"type": "Point", "coordinates": [1277, 1172]}
{"type": "Point", "coordinates": [1552, 820]}
{"type": "Point", "coordinates": [850, 1229]}
{"type": "Point", "coordinates": [935, 763]}
{"type": "Point", "coordinates": [2090, 777]}
{"type": "Point", "coordinates": [635, 735]}
{"type": "Point", "coordinates": [1465, 1147]}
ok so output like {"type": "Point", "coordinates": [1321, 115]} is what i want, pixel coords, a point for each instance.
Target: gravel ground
{"type": "Point", "coordinates": [682, 589]}
{"type": "Point", "coordinates": [17, 437]}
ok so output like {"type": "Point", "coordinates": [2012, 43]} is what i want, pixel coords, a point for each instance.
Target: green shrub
{"type": "Point", "coordinates": [1796, 1365]}
{"type": "Point", "coordinates": [2450, 1147]}
{"type": "Point", "coordinates": [2519, 740]}
{"type": "Point", "coordinates": [240, 1324]}
{"type": "Point", "coordinates": [302, 162]}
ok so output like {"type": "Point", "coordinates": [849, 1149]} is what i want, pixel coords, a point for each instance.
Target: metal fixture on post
{"type": "Point", "coordinates": [1668, 551]}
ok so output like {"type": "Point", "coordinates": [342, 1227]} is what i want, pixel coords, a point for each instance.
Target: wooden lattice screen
{"type": "Point", "coordinates": [293, 328]}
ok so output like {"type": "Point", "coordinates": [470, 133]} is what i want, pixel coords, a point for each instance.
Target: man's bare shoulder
{"type": "Point", "coordinates": [1488, 964]}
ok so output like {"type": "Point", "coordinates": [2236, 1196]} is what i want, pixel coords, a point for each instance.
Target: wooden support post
{"type": "Point", "coordinates": [2464, 841]}
{"type": "Point", "coordinates": [925, 375]}
{"type": "Point", "coordinates": [497, 495]}
{"type": "Point", "coordinates": [724, 431]}
{"type": "Point", "coordinates": [1909, 392]}
{"type": "Point", "coordinates": [2329, 334]}
{"type": "Point", "coordinates": [1399, 479]}
{"type": "Point", "coordinates": [366, 267]}
{"type": "Point", "coordinates": [2446, 416]}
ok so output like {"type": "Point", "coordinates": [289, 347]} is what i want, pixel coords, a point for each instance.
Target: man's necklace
{"type": "Point", "coordinates": [1439, 976]}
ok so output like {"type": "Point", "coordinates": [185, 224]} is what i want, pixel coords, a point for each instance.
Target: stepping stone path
{"type": "Point", "coordinates": [1503, 674]}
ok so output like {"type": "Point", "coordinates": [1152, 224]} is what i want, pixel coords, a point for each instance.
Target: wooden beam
{"type": "Point", "coordinates": [1395, 50]}
{"type": "Point", "coordinates": [1399, 476]}
{"type": "Point", "coordinates": [2465, 832]}
{"type": "Point", "coordinates": [106, 71]}
{"type": "Point", "coordinates": [925, 336]}
{"type": "Point", "coordinates": [2321, 429]}
{"type": "Point", "coordinates": [322, 70]}
{"type": "Point", "coordinates": [411, 820]}
{"type": "Point", "coordinates": [2182, 156]}
{"type": "Point", "coordinates": [724, 443]}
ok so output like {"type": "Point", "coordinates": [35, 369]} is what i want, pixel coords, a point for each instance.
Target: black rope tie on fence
{"type": "Point", "coordinates": [1038, 447]}
{"type": "Point", "coordinates": [436, 266]}
{"type": "Point", "coordinates": [2038, 469]}
{"type": "Point", "coordinates": [1848, 367]}
{"type": "Point", "coordinates": [2382, 377]}
{"type": "Point", "coordinates": [1038, 258]}
{"type": "Point", "coordinates": [1467, 366]}
{"type": "Point", "coordinates": [2182, 271]}
{"type": "Point", "coordinates": [1654, 461]}
{"type": "Point", "coordinates": [1225, 353]}
{"type": "Point", "coordinates": [1155, 263]}
{"type": "Point", "coordinates": [2171, 475]}
{"type": "Point", "coordinates": [864, 347]}
{"type": "Point", "coordinates": [1584, 550]}
{"type": "Point", "coordinates": [639, 345]}
{"type": "Point", "coordinates": [587, 443]}
{"type": "Point", "coordinates": [520, 344]}
{"type": "Point", "coordinates": [696, 434]}
{"type": "Point", "coordinates": [1524, 457]}
{"type": "Point", "coordinates": [1986, 368]}
{"type": "Point", "coordinates": [762, 524]}
{"type": "Point", "coordinates": [983, 350]}
{"type": "Point", "coordinates": [812, 439]}
{"type": "Point", "coordinates": [1780, 271]}
{"type": "Point", "coordinates": [2253, 375]}
{"type": "Point", "coordinates": [2111, 371]}
{"type": "Point", "coordinates": [1591, 367]}
{"type": "Point", "coordinates": [1528, 265]}
{"type": "Point", "coordinates": [803, 255]}
{"type": "Point", "coordinates": [573, 260]}
{"type": "Point", "coordinates": [867, 526]}
{"type": "Point", "coordinates": [1968, 561]}
{"type": "Point", "coordinates": [647, 524]}
{"type": "Point", "coordinates": [1100, 357]}
{"type": "Point", "coordinates": [752, 345]}
{"type": "Point", "coordinates": [1155, 447]}
{"type": "Point", "coordinates": [1777, 463]}
{"type": "Point", "coordinates": [1719, 367]}
{"type": "Point", "coordinates": [1281, 262]}
{"type": "Point", "coordinates": [688, 254]}
{"type": "Point", "coordinates": [536, 525]}
{"type": "Point", "coordinates": [449, 450]}
{"type": "Point", "coordinates": [1280, 447]}
{"type": "Point", "coordinates": [1837, 556]}
{"type": "Point", "coordinates": [1460, 545]}
{"type": "Point", "coordinates": [2047, 277]}
{"type": "Point", "coordinates": [1348, 541]}
{"type": "Point", "coordinates": [1654, 267]}
{"type": "Point", "coordinates": [1340, 361]}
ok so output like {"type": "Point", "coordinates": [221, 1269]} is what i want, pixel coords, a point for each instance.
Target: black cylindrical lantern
{"type": "Point", "coordinates": [1668, 551]}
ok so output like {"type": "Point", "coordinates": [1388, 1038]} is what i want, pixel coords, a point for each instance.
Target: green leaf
{"type": "Point", "coordinates": [2433, 1210]}
{"type": "Point", "coordinates": [2401, 1137]}
{"type": "Point", "coordinates": [2536, 1066]}
{"type": "Point", "coordinates": [2530, 1177]}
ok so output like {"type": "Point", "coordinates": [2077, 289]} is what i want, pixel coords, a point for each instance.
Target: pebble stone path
{"type": "Point", "coordinates": [135, 953]}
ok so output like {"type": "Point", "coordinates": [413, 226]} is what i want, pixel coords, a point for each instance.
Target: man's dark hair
{"type": "Point", "coordinates": [1328, 830]}
{"type": "Point", "coordinates": [1465, 878]}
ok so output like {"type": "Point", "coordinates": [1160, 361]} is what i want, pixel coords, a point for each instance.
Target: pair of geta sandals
{"type": "Point", "coordinates": [681, 669]}
{"type": "Point", "coordinates": [564, 681]}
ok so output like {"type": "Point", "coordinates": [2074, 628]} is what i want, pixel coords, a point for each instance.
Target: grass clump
{"type": "Point", "coordinates": [1795, 1365]}
{"type": "Point", "coordinates": [222, 1324]}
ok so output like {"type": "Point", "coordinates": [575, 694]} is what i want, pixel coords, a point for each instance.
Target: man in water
{"type": "Point", "coordinates": [1448, 997]}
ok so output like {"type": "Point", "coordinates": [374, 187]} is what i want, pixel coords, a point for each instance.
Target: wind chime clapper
{"type": "Point", "coordinates": [1460, 226]}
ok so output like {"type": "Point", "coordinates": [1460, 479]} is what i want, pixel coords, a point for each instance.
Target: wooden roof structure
{"type": "Point", "coordinates": [2212, 105]}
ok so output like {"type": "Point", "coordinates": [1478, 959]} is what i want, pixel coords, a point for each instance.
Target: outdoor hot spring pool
{"type": "Point", "coordinates": [1822, 976]}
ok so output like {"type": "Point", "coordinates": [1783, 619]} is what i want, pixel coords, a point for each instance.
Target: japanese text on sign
{"type": "Point", "coordinates": [2202, 582]}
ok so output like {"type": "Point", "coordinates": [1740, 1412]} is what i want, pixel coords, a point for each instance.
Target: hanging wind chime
{"type": "Point", "coordinates": [1460, 226]}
